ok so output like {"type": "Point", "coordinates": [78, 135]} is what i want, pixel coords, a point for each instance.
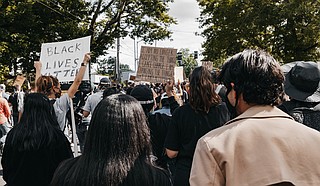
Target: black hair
{"type": "Point", "coordinates": [118, 139]}
{"type": "Point", "coordinates": [256, 75]}
{"type": "Point", "coordinates": [38, 126]}
{"type": "Point", "coordinates": [110, 91]}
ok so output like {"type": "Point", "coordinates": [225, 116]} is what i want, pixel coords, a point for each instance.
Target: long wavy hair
{"type": "Point", "coordinates": [202, 94]}
{"type": "Point", "coordinates": [256, 75]}
{"type": "Point", "coordinates": [118, 138]}
{"type": "Point", "coordinates": [38, 127]}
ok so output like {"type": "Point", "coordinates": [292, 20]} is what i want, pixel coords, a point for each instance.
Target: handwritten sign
{"type": "Point", "coordinates": [63, 59]}
{"type": "Point", "coordinates": [156, 64]}
{"type": "Point", "coordinates": [208, 65]}
{"type": "Point", "coordinates": [19, 80]}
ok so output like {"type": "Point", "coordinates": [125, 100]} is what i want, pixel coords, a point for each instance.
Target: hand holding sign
{"type": "Point", "coordinates": [37, 65]}
{"type": "Point", "coordinates": [86, 58]}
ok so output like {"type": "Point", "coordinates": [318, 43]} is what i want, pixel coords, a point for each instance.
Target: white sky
{"type": "Point", "coordinates": [186, 12]}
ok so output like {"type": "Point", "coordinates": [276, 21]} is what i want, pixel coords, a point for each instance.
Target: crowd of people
{"type": "Point", "coordinates": [253, 122]}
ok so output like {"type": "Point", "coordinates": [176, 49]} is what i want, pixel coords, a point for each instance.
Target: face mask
{"type": "Point", "coordinates": [57, 94]}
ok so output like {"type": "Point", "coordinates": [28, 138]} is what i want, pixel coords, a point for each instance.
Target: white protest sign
{"type": "Point", "coordinates": [178, 74]}
{"type": "Point", "coordinates": [63, 59]}
{"type": "Point", "coordinates": [156, 64]}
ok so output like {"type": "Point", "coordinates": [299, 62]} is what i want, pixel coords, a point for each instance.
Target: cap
{"type": "Point", "coordinates": [105, 81]}
{"type": "Point", "coordinates": [143, 94]}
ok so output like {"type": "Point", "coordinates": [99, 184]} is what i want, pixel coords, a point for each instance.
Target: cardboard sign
{"type": "Point", "coordinates": [156, 65]}
{"type": "Point", "coordinates": [19, 80]}
{"type": "Point", "coordinates": [63, 59]}
{"type": "Point", "coordinates": [208, 65]}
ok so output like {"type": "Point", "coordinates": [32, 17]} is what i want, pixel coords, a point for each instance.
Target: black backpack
{"type": "Point", "coordinates": [309, 116]}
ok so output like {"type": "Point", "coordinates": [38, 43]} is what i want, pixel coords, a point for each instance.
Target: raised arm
{"type": "Point", "coordinates": [37, 66]}
{"type": "Point", "coordinates": [77, 81]}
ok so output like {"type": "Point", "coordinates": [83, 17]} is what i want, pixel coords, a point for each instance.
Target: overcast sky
{"type": "Point", "coordinates": [186, 12]}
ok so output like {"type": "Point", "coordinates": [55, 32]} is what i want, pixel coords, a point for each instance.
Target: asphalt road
{"type": "Point", "coordinates": [2, 182]}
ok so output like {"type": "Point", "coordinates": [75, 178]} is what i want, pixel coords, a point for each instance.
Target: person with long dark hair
{"type": "Point", "coordinates": [35, 146]}
{"type": "Point", "coordinates": [203, 113]}
{"type": "Point", "coordinates": [117, 149]}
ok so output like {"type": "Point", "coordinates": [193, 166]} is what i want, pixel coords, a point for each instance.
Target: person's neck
{"type": "Point", "coordinates": [51, 96]}
{"type": "Point", "coordinates": [243, 105]}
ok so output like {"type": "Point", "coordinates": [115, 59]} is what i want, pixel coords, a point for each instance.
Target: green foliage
{"type": "Point", "coordinates": [189, 63]}
{"type": "Point", "coordinates": [106, 66]}
{"type": "Point", "coordinates": [26, 24]}
{"type": "Point", "coordinates": [124, 68]}
{"type": "Point", "coordinates": [4, 73]}
{"type": "Point", "coordinates": [288, 29]}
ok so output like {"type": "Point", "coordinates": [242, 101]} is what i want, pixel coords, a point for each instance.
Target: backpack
{"type": "Point", "coordinates": [309, 116]}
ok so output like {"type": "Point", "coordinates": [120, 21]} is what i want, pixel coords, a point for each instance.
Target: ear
{"type": "Point", "coordinates": [233, 92]}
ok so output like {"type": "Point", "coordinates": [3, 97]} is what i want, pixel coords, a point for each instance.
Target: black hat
{"type": "Point", "coordinates": [302, 82]}
{"type": "Point", "coordinates": [105, 81]}
{"type": "Point", "coordinates": [143, 94]}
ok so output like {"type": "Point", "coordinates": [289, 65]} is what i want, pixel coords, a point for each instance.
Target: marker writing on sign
{"type": "Point", "coordinates": [64, 73]}
{"type": "Point", "coordinates": [65, 49]}
{"type": "Point", "coordinates": [68, 63]}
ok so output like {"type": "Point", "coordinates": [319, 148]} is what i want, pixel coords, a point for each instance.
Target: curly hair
{"type": "Point", "coordinates": [202, 94]}
{"type": "Point", "coordinates": [256, 75]}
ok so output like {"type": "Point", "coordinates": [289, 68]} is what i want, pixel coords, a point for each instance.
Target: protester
{"type": "Point", "coordinates": [51, 87]}
{"type": "Point", "coordinates": [35, 146]}
{"type": "Point", "coordinates": [16, 102]}
{"type": "Point", "coordinates": [81, 123]}
{"type": "Point", "coordinates": [204, 112]}
{"type": "Point", "coordinates": [262, 145]}
{"type": "Point", "coordinates": [116, 151]}
{"type": "Point", "coordinates": [95, 98]}
{"type": "Point", "coordinates": [302, 87]}
{"type": "Point", "coordinates": [4, 119]}
{"type": "Point", "coordinates": [158, 122]}
{"type": "Point", "coordinates": [164, 106]}
{"type": "Point", "coordinates": [4, 94]}
{"type": "Point", "coordinates": [110, 91]}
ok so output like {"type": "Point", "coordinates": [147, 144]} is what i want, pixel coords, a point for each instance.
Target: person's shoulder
{"type": "Point", "coordinates": [2, 100]}
{"type": "Point", "coordinates": [96, 95]}
{"type": "Point", "coordinates": [161, 176]}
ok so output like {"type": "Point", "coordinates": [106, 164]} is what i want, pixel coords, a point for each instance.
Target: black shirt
{"type": "Point", "coordinates": [33, 167]}
{"type": "Point", "coordinates": [187, 127]}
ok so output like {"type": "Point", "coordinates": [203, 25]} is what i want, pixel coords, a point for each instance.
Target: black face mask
{"type": "Point", "coordinates": [232, 109]}
{"type": "Point", "coordinates": [57, 94]}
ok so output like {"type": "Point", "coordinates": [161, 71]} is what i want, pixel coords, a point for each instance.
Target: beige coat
{"type": "Point", "coordinates": [263, 146]}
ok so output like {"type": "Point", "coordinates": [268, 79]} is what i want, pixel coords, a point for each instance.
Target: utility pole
{"type": "Point", "coordinates": [135, 55]}
{"type": "Point", "coordinates": [117, 61]}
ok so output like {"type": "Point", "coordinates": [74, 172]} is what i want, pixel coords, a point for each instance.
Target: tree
{"type": "Point", "coordinates": [146, 19]}
{"type": "Point", "coordinates": [288, 29]}
{"type": "Point", "coordinates": [25, 24]}
{"type": "Point", "coordinates": [188, 61]}
{"type": "Point", "coordinates": [106, 66]}
{"type": "Point", "coordinates": [124, 67]}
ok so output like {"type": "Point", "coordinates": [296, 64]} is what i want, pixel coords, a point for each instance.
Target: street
{"type": "Point", "coordinates": [2, 182]}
